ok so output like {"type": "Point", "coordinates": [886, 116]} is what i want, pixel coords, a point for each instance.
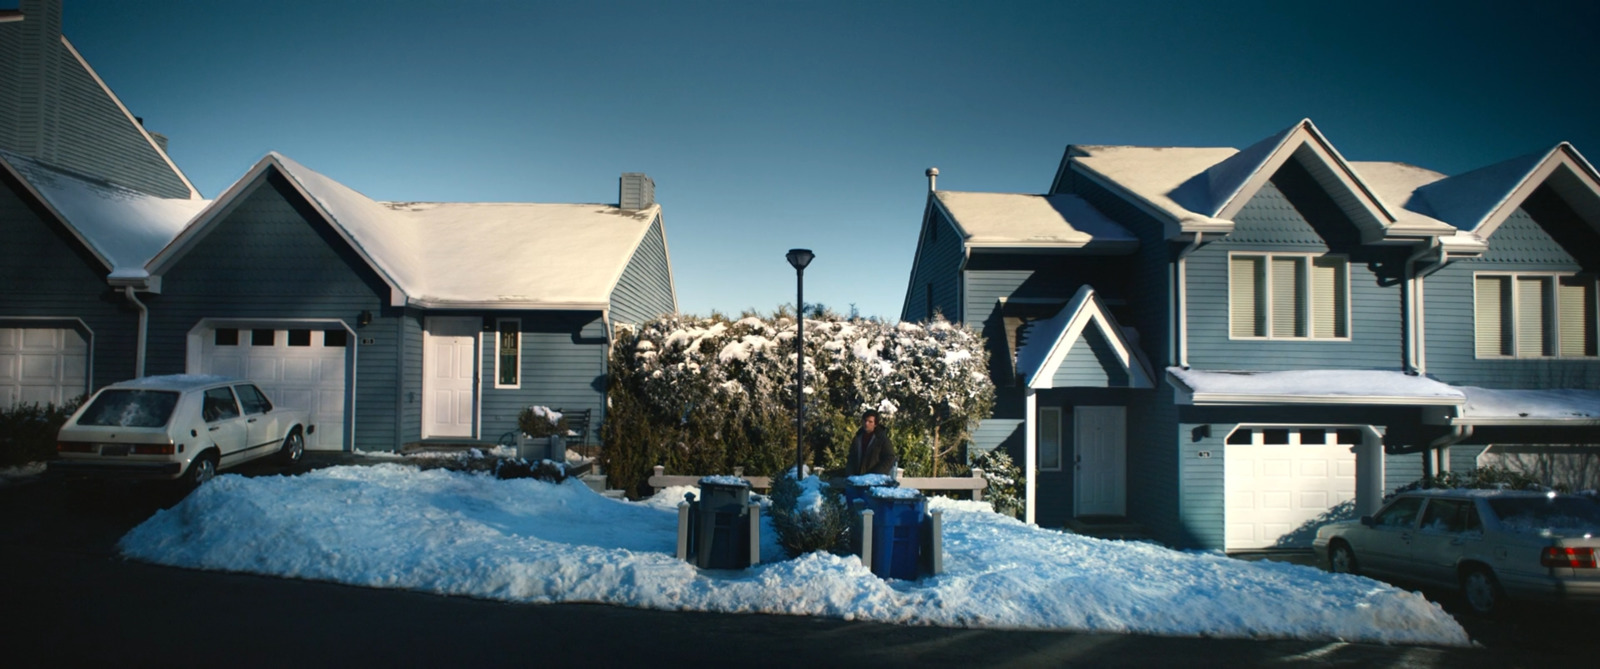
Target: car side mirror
{"type": "Point", "coordinates": [1367, 520]}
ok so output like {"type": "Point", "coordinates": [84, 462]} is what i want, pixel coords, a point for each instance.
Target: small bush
{"type": "Point", "coordinates": [540, 421]}
{"type": "Point", "coordinates": [1004, 478]}
{"type": "Point", "coordinates": [28, 431]}
{"type": "Point", "coordinates": [518, 468]}
{"type": "Point", "coordinates": [808, 516]}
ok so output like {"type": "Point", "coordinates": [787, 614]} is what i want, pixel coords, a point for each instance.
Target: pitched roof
{"type": "Point", "coordinates": [1480, 200]}
{"type": "Point", "coordinates": [124, 228]}
{"type": "Point", "coordinates": [1051, 340]}
{"type": "Point", "coordinates": [1015, 220]}
{"type": "Point", "coordinates": [1310, 386]}
{"type": "Point", "coordinates": [463, 255]}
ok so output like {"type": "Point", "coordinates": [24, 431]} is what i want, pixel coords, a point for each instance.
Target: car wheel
{"type": "Point", "coordinates": [204, 468]}
{"type": "Point", "coordinates": [294, 448]}
{"type": "Point", "coordinates": [1482, 591]}
{"type": "Point", "coordinates": [1342, 560]}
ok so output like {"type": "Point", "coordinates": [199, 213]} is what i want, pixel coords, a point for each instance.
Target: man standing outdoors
{"type": "Point", "coordinates": [870, 451]}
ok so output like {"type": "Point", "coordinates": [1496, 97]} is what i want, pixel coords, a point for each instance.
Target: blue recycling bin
{"type": "Point", "coordinates": [897, 531]}
{"type": "Point", "coordinates": [857, 487]}
{"type": "Point", "coordinates": [719, 525]}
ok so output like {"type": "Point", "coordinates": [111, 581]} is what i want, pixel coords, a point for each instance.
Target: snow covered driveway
{"type": "Point", "coordinates": [394, 526]}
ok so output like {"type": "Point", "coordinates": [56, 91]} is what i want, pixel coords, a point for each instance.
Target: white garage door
{"type": "Point", "coordinates": [300, 368]}
{"type": "Point", "coordinates": [1284, 483]}
{"type": "Point", "coordinates": [42, 365]}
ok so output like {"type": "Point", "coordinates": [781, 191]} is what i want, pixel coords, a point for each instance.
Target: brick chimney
{"type": "Point", "coordinates": [636, 191]}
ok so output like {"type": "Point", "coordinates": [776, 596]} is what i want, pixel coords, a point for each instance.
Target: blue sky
{"type": "Point", "coordinates": [771, 125]}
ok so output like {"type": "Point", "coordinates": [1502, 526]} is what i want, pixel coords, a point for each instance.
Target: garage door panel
{"type": "Point", "coordinates": [1296, 485]}
{"type": "Point", "coordinates": [40, 365]}
{"type": "Point", "coordinates": [1276, 499]}
{"type": "Point", "coordinates": [263, 368]}
{"type": "Point", "coordinates": [311, 378]}
{"type": "Point", "coordinates": [301, 370]}
{"type": "Point", "coordinates": [41, 339]}
{"type": "Point", "coordinates": [1277, 467]}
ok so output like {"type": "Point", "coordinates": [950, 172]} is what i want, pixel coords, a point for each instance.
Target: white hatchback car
{"type": "Point", "coordinates": [1493, 544]}
{"type": "Point", "coordinates": [177, 427]}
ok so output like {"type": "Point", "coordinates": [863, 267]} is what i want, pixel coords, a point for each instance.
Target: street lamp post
{"type": "Point", "coordinates": [799, 258]}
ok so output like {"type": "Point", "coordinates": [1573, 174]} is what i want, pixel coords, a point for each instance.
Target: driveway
{"type": "Point", "coordinates": [71, 599]}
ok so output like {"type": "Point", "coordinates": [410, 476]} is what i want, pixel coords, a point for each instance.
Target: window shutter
{"type": "Point", "coordinates": [1575, 307]}
{"type": "Point", "coordinates": [1288, 297]}
{"type": "Point", "coordinates": [1532, 314]}
{"type": "Point", "coordinates": [1329, 310]}
{"type": "Point", "coordinates": [1244, 296]}
{"type": "Point", "coordinates": [1489, 321]}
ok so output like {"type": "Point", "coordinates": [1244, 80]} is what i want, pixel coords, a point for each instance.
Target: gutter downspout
{"type": "Point", "coordinates": [1180, 334]}
{"type": "Point", "coordinates": [1432, 462]}
{"type": "Point", "coordinates": [1415, 363]}
{"type": "Point", "coordinates": [144, 328]}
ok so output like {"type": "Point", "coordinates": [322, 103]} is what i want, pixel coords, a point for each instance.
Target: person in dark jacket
{"type": "Point", "coordinates": [870, 450]}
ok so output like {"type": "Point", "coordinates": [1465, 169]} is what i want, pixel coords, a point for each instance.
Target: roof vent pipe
{"type": "Point", "coordinates": [933, 178]}
{"type": "Point", "coordinates": [636, 191]}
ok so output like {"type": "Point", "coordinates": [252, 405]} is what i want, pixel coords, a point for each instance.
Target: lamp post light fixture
{"type": "Point", "coordinates": [798, 259]}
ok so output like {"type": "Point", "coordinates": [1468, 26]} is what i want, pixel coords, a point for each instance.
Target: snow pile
{"type": "Point", "coordinates": [523, 540]}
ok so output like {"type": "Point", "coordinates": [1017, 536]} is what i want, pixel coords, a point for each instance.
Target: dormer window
{"type": "Point", "coordinates": [1534, 316]}
{"type": "Point", "coordinates": [1288, 296]}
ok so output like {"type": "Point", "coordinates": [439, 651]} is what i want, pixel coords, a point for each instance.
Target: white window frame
{"type": "Point", "coordinates": [499, 328]}
{"type": "Point", "coordinates": [1265, 296]}
{"type": "Point", "coordinates": [1061, 449]}
{"type": "Point", "coordinates": [1552, 324]}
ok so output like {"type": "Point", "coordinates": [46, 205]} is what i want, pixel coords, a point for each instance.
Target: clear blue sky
{"type": "Point", "coordinates": [771, 125]}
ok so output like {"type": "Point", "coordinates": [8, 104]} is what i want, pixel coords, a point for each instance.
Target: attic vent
{"type": "Point", "coordinates": [637, 191]}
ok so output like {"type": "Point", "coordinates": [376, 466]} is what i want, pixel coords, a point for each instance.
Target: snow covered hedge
{"type": "Point", "coordinates": [704, 395]}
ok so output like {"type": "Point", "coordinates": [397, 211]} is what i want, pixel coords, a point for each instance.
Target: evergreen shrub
{"type": "Point", "coordinates": [28, 431]}
{"type": "Point", "coordinates": [809, 516]}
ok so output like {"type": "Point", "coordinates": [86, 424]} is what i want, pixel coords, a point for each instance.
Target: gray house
{"type": "Point", "coordinates": [86, 196]}
{"type": "Point", "coordinates": [1229, 347]}
{"type": "Point", "coordinates": [404, 322]}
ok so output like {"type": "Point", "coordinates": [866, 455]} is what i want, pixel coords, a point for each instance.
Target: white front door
{"type": "Point", "coordinates": [1100, 438]}
{"type": "Point", "coordinates": [449, 382]}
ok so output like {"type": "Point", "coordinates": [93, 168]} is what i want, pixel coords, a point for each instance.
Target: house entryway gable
{"type": "Point", "coordinates": [1100, 461]}
{"type": "Point", "coordinates": [44, 361]}
{"type": "Point", "coordinates": [450, 376]}
{"type": "Point", "coordinates": [305, 364]}
{"type": "Point", "coordinates": [1281, 482]}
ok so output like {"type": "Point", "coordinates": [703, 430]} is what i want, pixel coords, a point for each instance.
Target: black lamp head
{"type": "Point", "coordinates": [799, 258]}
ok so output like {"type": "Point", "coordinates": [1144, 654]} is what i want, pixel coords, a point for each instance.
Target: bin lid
{"type": "Point", "coordinates": [885, 492]}
{"type": "Point", "coordinates": [725, 481]}
{"type": "Point", "coordinates": [872, 480]}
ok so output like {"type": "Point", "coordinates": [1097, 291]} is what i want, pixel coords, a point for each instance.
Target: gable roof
{"type": "Point", "coordinates": [71, 117]}
{"type": "Point", "coordinates": [1480, 200]}
{"type": "Point", "coordinates": [1396, 184]}
{"type": "Point", "coordinates": [123, 228]}
{"type": "Point", "coordinates": [1020, 221]}
{"type": "Point", "coordinates": [1051, 340]}
{"type": "Point", "coordinates": [1202, 189]}
{"type": "Point", "coordinates": [460, 255]}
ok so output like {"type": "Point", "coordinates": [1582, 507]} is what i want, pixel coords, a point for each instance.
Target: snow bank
{"type": "Point", "coordinates": [523, 540]}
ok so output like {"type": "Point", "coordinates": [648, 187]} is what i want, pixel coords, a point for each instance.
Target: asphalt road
{"type": "Point", "coordinates": [67, 599]}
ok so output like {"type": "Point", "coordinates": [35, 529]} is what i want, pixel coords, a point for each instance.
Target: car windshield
{"type": "Point", "coordinates": [130, 408]}
{"type": "Point", "coordinates": [1559, 515]}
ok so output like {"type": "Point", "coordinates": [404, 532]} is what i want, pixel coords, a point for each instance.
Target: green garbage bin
{"type": "Point", "coordinates": [719, 530]}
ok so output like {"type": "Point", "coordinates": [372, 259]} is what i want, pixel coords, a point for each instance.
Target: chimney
{"type": "Point", "coordinates": [933, 178]}
{"type": "Point", "coordinates": [636, 191]}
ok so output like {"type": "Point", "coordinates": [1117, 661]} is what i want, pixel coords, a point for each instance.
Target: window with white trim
{"type": "Point", "coordinates": [1049, 439]}
{"type": "Point", "coordinates": [1534, 316]}
{"type": "Point", "coordinates": [1288, 296]}
{"type": "Point", "coordinates": [508, 353]}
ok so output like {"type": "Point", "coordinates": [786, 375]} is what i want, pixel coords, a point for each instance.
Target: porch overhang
{"type": "Point", "coordinates": [1310, 387]}
{"type": "Point", "coordinates": [1494, 407]}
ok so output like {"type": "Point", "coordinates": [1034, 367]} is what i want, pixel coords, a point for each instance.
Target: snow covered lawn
{"type": "Point", "coordinates": [395, 526]}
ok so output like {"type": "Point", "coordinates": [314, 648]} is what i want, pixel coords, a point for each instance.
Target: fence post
{"type": "Point", "coordinates": [937, 544]}
{"type": "Point", "coordinates": [658, 470]}
{"type": "Point", "coordinates": [866, 537]}
{"type": "Point", "coordinates": [977, 493]}
{"type": "Point", "coordinates": [755, 534]}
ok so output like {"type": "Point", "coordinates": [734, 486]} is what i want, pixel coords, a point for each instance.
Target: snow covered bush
{"type": "Point", "coordinates": [541, 421]}
{"type": "Point", "coordinates": [705, 395]}
{"type": "Point", "coordinates": [808, 516]}
{"type": "Point", "coordinates": [1004, 478]}
{"type": "Point", "coordinates": [28, 431]}
{"type": "Point", "coordinates": [1482, 477]}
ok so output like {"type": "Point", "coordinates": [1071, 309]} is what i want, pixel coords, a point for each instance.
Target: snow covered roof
{"type": "Point", "coordinates": [1051, 340]}
{"type": "Point", "coordinates": [1480, 200]}
{"type": "Point", "coordinates": [1153, 175]}
{"type": "Point", "coordinates": [466, 255]}
{"type": "Point", "coordinates": [1486, 406]}
{"type": "Point", "coordinates": [1012, 220]}
{"type": "Point", "coordinates": [124, 228]}
{"type": "Point", "coordinates": [1310, 386]}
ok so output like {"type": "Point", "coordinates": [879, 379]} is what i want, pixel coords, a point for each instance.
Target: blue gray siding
{"type": "Point", "coordinates": [273, 257]}
{"type": "Point", "coordinates": [645, 289]}
{"type": "Point", "coordinates": [410, 397]}
{"type": "Point", "coordinates": [1091, 363]}
{"type": "Point", "coordinates": [936, 271]}
{"type": "Point", "coordinates": [1520, 244]}
{"type": "Point", "coordinates": [563, 366]}
{"type": "Point", "coordinates": [1270, 223]}
{"type": "Point", "coordinates": [46, 273]}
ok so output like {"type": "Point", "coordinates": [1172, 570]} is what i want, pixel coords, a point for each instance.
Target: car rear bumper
{"type": "Point", "coordinates": [137, 470]}
{"type": "Point", "coordinates": [1585, 590]}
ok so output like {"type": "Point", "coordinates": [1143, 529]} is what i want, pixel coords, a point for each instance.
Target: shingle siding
{"type": "Point", "coordinates": [563, 363]}
{"type": "Point", "coordinates": [645, 290]}
{"type": "Point", "coordinates": [1091, 363]}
